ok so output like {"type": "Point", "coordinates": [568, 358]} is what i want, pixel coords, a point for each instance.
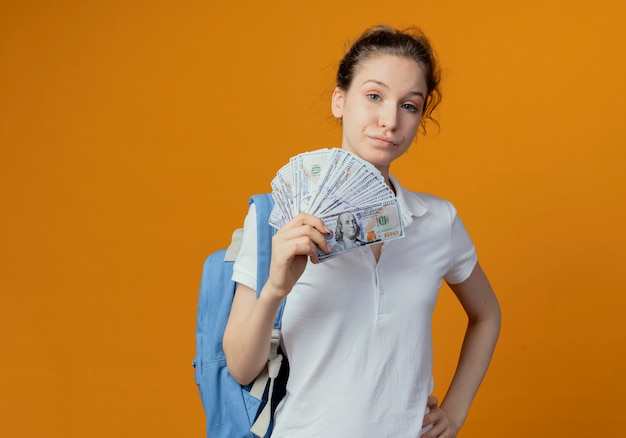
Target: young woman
{"type": "Point", "coordinates": [357, 328]}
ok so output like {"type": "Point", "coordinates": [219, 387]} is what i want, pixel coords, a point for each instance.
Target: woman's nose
{"type": "Point", "coordinates": [388, 116]}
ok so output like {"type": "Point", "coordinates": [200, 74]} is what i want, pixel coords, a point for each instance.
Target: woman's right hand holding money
{"type": "Point", "coordinates": [292, 245]}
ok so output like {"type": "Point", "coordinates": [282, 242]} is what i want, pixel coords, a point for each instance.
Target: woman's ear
{"type": "Point", "coordinates": [337, 102]}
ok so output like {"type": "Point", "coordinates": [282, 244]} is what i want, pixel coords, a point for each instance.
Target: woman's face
{"type": "Point", "coordinates": [382, 109]}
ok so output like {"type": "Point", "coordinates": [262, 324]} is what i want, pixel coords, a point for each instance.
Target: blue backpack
{"type": "Point", "coordinates": [232, 410]}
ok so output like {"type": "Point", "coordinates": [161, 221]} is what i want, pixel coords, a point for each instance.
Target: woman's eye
{"type": "Point", "coordinates": [373, 96]}
{"type": "Point", "coordinates": [410, 107]}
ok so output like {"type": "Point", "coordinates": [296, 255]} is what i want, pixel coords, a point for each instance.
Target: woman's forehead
{"type": "Point", "coordinates": [388, 71]}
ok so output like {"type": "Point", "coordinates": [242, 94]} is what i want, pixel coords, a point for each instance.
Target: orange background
{"type": "Point", "coordinates": [133, 132]}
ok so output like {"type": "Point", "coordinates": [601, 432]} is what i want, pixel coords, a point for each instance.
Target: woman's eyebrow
{"type": "Point", "coordinates": [417, 93]}
{"type": "Point", "coordinates": [382, 84]}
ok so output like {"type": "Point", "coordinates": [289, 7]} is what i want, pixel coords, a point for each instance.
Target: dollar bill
{"type": "Point", "coordinates": [311, 167]}
{"type": "Point", "coordinates": [362, 227]}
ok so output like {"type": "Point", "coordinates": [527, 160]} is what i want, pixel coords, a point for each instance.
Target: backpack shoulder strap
{"type": "Point", "coordinates": [264, 204]}
{"type": "Point", "coordinates": [264, 231]}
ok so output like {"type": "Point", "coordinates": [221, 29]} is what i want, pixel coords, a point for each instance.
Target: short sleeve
{"type": "Point", "coordinates": [244, 269]}
{"type": "Point", "coordinates": [463, 255]}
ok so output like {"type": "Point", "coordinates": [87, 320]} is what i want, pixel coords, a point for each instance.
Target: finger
{"type": "Point", "coordinates": [320, 242]}
{"type": "Point", "coordinates": [432, 402]}
{"type": "Point", "coordinates": [431, 433]}
{"type": "Point", "coordinates": [286, 250]}
{"type": "Point", "coordinates": [434, 432]}
{"type": "Point", "coordinates": [307, 219]}
{"type": "Point", "coordinates": [307, 230]}
{"type": "Point", "coordinates": [435, 415]}
{"type": "Point", "coordinates": [437, 428]}
{"type": "Point", "coordinates": [314, 221]}
{"type": "Point", "coordinates": [314, 257]}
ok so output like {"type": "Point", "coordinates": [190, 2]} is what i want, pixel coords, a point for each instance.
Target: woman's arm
{"type": "Point", "coordinates": [483, 311]}
{"type": "Point", "coordinates": [248, 332]}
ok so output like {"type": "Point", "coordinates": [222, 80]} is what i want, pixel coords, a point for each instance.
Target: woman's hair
{"type": "Point", "coordinates": [408, 43]}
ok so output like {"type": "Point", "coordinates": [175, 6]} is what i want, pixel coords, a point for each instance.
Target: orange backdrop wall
{"type": "Point", "coordinates": [133, 132]}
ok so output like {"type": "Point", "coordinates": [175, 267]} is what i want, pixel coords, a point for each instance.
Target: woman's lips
{"type": "Point", "coordinates": [381, 140]}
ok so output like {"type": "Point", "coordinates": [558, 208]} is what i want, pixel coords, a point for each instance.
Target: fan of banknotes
{"type": "Point", "coordinates": [346, 192]}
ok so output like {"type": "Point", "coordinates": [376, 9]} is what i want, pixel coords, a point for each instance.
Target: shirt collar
{"type": "Point", "coordinates": [411, 204]}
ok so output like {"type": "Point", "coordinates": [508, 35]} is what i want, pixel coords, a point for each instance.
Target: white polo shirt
{"type": "Point", "coordinates": [358, 333]}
